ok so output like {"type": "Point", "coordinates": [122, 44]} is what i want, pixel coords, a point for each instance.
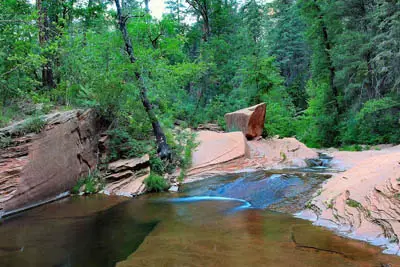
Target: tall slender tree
{"type": "Point", "coordinates": [44, 39]}
{"type": "Point", "coordinates": [163, 148]}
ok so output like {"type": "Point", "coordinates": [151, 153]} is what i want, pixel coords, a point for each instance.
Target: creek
{"type": "Point", "coordinates": [231, 220]}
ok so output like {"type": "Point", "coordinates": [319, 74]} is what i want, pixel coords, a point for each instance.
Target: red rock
{"type": "Point", "coordinates": [222, 153]}
{"type": "Point", "coordinates": [216, 148]}
{"type": "Point", "coordinates": [125, 177]}
{"type": "Point", "coordinates": [364, 200]}
{"type": "Point", "coordinates": [50, 163]}
{"type": "Point", "coordinates": [128, 164]}
{"type": "Point", "coordinates": [249, 120]}
{"type": "Point", "coordinates": [132, 185]}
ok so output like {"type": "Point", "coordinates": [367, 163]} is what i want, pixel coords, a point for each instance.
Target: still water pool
{"type": "Point", "coordinates": [206, 225]}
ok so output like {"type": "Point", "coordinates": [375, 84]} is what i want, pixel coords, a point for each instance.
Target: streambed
{"type": "Point", "coordinates": [221, 221]}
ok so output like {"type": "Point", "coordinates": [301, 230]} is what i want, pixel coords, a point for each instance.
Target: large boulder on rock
{"type": "Point", "coordinates": [125, 177]}
{"type": "Point", "coordinates": [217, 148]}
{"type": "Point", "coordinates": [36, 168]}
{"type": "Point", "coordinates": [249, 120]}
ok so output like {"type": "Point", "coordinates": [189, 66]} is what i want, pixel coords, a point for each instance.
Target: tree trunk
{"type": "Point", "coordinates": [162, 146]}
{"type": "Point", "coordinates": [44, 36]}
{"type": "Point", "coordinates": [146, 6]}
{"type": "Point", "coordinates": [202, 9]}
{"type": "Point", "coordinates": [328, 47]}
{"type": "Point", "coordinates": [88, 16]}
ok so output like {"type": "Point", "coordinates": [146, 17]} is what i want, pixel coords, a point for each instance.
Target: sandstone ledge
{"type": "Point", "coordinates": [39, 167]}
{"type": "Point", "coordinates": [364, 201]}
{"type": "Point", "coordinates": [221, 153]}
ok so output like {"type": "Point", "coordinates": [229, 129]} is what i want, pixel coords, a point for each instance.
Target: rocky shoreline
{"type": "Point", "coordinates": [362, 202]}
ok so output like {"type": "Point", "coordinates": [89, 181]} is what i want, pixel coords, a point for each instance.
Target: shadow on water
{"type": "Point", "coordinates": [43, 238]}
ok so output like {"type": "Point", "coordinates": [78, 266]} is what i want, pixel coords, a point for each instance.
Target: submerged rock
{"type": "Point", "coordinates": [249, 120]}
{"type": "Point", "coordinates": [36, 168]}
{"type": "Point", "coordinates": [174, 189]}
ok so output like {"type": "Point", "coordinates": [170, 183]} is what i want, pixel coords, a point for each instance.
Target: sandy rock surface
{"type": "Point", "coordinates": [344, 160]}
{"type": "Point", "coordinates": [364, 201]}
{"type": "Point", "coordinates": [230, 152]}
{"type": "Point", "coordinates": [215, 149]}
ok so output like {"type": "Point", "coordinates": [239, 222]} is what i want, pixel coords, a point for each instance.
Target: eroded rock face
{"type": "Point", "coordinates": [39, 167]}
{"type": "Point", "coordinates": [363, 202]}
{"type": "Point", "coordinates": [126, 177]}
{"type": "Point", "coordinates": [249, 120]}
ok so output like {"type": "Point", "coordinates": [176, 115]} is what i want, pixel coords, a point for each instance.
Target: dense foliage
{"type": "Point", "coordinates": [329, 71]}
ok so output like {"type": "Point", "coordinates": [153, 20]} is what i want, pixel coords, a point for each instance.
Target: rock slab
{"type": "Point", "coordinates": [249, 120]}
{"type": "Point", "coordinates": [217, 148]}
{"type": "Point", "coordinates": [126, 177]}
{"type": "Point", "coordinates": [36, 168]}
{"type": "Point", "coordinates": [363, 202]}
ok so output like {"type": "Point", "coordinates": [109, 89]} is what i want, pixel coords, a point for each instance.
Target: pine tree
{"type": "Point", "coordinates": [287, 42]}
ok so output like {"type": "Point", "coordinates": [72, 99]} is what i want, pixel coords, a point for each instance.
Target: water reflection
{"type": "Point", "coordinates": [154, 231]}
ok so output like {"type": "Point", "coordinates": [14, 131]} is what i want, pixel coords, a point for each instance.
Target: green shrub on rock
{"type": "Point", "coordinates": [31, 125]}
{"type": "Point", "coordinates": [155, 183]}
{"type": "Point", "coordinates": [90, 184]}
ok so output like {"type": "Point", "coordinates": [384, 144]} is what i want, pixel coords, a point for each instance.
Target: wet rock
{"type": "Point", "coordinates": [174, 189]}
{"type": "Point", "coordinates": [39, 167]}
{"type": "Point", "coordinates": [314, 162]}
{"type": "Point", "coordinates": [249, 120]}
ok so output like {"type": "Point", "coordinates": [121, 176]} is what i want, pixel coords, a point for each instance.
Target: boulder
{"type": "Point", "coordinates": [249, 120]}
{"type": "Point", "coordinates": [37, 168]}
{"type": "Point", "coordinates": [126, 177]}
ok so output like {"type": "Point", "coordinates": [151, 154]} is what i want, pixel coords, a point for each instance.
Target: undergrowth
{"type": "Point", "coordinates": [91, 183]}
{"type": "Point", "coordinates": [155, 183]}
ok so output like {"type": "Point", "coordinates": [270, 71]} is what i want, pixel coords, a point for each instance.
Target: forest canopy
{"type": "Point", "coordinates": [329, 71]}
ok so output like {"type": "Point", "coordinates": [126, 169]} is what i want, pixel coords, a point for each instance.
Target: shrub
{"type": "Point", "coordinates": [156, 164]}
{"type": "Point", "coordinates": [377, 122]}
{"type": "Point", "coordinates": [31, 125]}
{"type": "Point", "coordinates": [352, 203]}
{"type": "Point", "coordinates": [122, 145]}
{"type": "Point", "coordinates": [92, 182]}
{"type": "Point", "coordinates": [155, 183]}
{"type": "Point", "coordinates": [5, 141]}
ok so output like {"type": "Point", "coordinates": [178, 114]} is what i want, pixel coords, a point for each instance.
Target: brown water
{"type": "Point", "coordinates": [163, 231]}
